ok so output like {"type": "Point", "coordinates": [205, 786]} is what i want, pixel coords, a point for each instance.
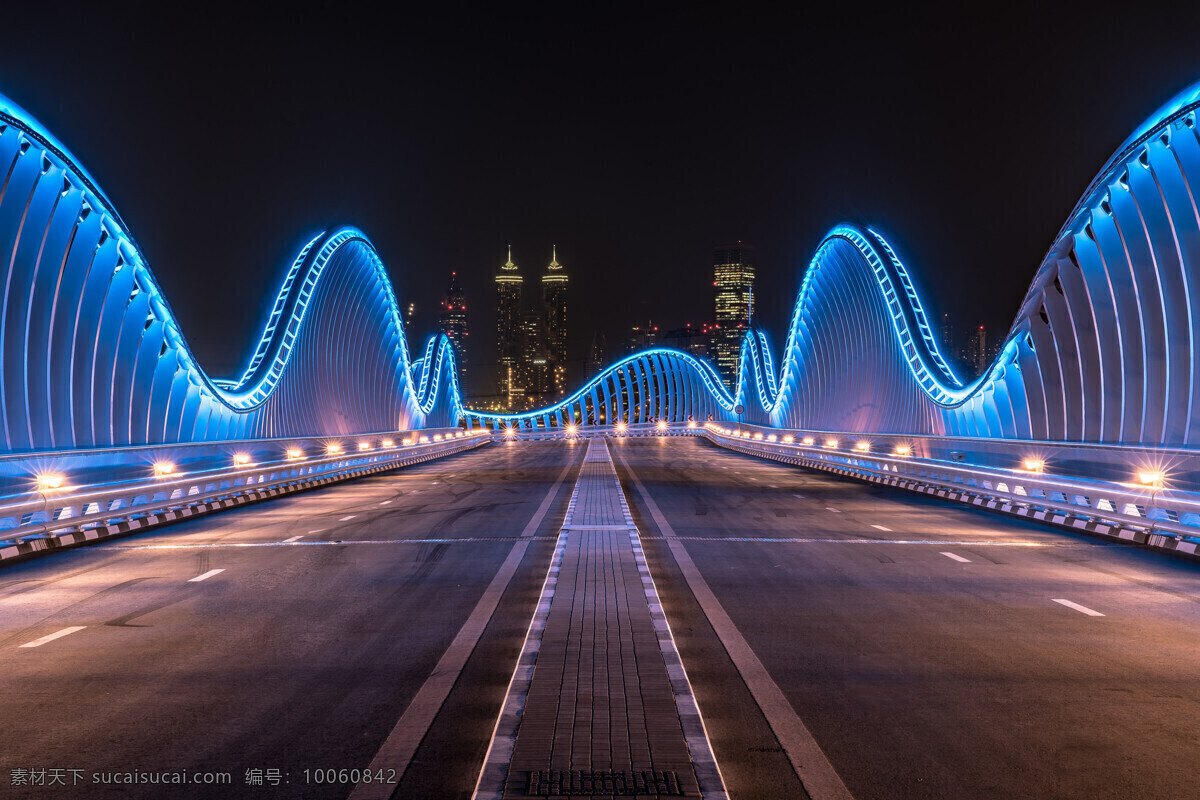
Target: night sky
{"type": "Point", "coordinates": [636, 142]}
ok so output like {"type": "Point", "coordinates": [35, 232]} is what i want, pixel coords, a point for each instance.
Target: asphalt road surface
{"type": "Point", "coordinates": [928, 650]}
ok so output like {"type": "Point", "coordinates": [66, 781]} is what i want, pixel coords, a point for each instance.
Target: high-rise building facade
{"type": "Point", "coordinates": [535, 360]}
{"type": "Point", "coordinates": [694, 339]}
{"type": "Point", "coordinates": [947, 336]}
{"type": "Point", "coordinates": [976, 353]}
{"type": "Point", "coordinates": [453, 323]}
{"type": "Point", "coordinates": [733, 284]}
{"type": "Point", "coordinates": [641, 337]}
{"type": "Point", "coordinates": [597, 355]}
{"type": "Point", "coordinates": [554, 301]}
{"type": "Point", "coordinates": [509, 384]}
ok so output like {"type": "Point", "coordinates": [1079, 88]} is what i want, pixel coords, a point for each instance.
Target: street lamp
{"type": "Point", "coordinates": [49, 480]}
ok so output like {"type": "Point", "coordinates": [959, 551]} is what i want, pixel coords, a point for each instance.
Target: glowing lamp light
{"type": "Point", "coordinates": [407, 442]}
{"type": "Point", "coordinates": [388, 443]}
{"type": "Point", "coordinates": [691, 423]}
{"type": "Point", "coordinates": [758, 437]}
{"type": "Point", "coordinates": [789, 439]}
{"type": "Point", "coordinates": [902, 450]}
{"type": "Point", "coordinates": [745, 434]}
{"type": "Point", "coordinates": [424, 440]}
{"type": "Point", "coordinates": [49, 480]}
{"type": "Point", "coordinates": [437, 437]}
{"type": "Point", "coordinates": [662, 425]}
{"type": "Point", "coordinates": [163, 468]}
{"type": "Point", "coordinates": [295, 453]}
{"type": "Point", "coordinates": [334, 449]}
{"type": "Point", "coordinates": [772, 438]}
{"type": "Point", "coordinates": [831, 442]}
{"type": "Point", "coordinates": [241, 458]}
{"type": "Point", "coordinates": [364, 445]}
{"type": "Point", "coordinates": [510, 432]}
{"type": "Point", "coordinates": [1034, 464]}
{"type": "Point", "coordinates": [862, 447]}
{"type": "Point", "coordinates": [1151, 477]}
{"type": "Point", "coordinates": [571, 429]}
{"type": "Point", "coordinates": [621, 427]}
{"type": "Point", "coordinates": [810, 441]}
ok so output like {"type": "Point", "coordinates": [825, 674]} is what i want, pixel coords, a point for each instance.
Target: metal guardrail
{"type": "Point", "coordinates": [51, 518]}
{"type": "Point", "coordinates": [1149, 514]}
{"type": "Point", "coordinates": [620, 430]}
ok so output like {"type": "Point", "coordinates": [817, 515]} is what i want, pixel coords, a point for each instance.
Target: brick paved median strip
{"type": "Point", "coordinates": [599, 704]}
{"type": "Point", "coordinates": [402, 743]}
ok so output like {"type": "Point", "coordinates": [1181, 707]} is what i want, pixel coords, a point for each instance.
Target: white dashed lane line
{"type": "Point", "coordinates": [206, 575]}
{"type": "Point", "coordinates": [1081, 609]}
{"type": "Point", "coordinates": [881, 528]}
{"type": "Point", "coordinates": [318, 530]}
{"type": "Point", "coordinates": [53, 636]}
{"type": "Point", "coordinates": [798, 496]}
{"type": "Point", "coordinates": [957, 558]}
{"type": "Point", "coordinates": [386, 502]}
{"type": "Point", "coordinates": [343, 519]}
{"type": "Point", "coordinates": [294, 538]}
{"type": "Point", "coordinates": [834, 510]}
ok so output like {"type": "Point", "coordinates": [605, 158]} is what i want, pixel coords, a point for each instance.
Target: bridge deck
{"type": "Point", "coordinates": [607, 709]}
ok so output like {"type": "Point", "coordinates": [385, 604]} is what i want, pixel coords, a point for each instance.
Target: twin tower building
{"type": "Point", "coordinates": [531, 338]}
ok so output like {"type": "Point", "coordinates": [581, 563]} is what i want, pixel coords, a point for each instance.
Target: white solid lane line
{"type": "Point", "coordinates": [343, 519]}
{"type": "Point", "coordinates": [834, 510]}
{"type": "Point", "coordinates": [206, 575]}
{"type": "Point", "coordinates": [798, 496]}
{"type": "Point", "coordinates": [294, 538]}
{"type": "Point", "coordinates": [1081, 609]}
{"type": "Point", "coordinates": [773, 486]}
{"type": "Point", "coordinates": [53, 636]}
{"type": "Point", "coordinates": [386, 502]}
{"type": "Point", "coordinates": [882, 528]}
{"type": "Point", "coordinates": [318, 530]}
{"type": "Point", "coordinates": [959, 559]}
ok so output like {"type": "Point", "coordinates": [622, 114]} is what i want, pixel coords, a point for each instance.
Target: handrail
{"type": "Point", "coordinates": [40, 513]}
{"type": "Point", "coordinates": [1139, 507]}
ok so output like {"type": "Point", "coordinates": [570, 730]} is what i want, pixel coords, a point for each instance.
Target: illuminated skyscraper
{"type": "Point", "coordinates": [535, 362]}
{"type": "Point", "coordinates": [554, 299]}
{"type": "Point", "coordinates": [509, 384]}
{"type": "Point", "coordinates": [733, 282]}
{"type": "Point", "coordinates": [453, 323]}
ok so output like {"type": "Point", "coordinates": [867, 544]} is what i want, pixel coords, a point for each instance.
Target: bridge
{"type": "Point", "coordinates": [856, 575]}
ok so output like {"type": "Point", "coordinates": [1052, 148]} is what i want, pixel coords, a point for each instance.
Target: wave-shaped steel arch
{"type": "Point", "coordinates": [658, 385]}
{"type": "Point", "coordinates": [91, 354]}
{"type": "Point", "coordinates": [1105, 347]}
